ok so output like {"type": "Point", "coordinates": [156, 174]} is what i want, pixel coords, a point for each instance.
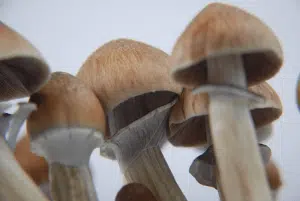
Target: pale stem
{"type": "Point", "coordinates": [242, 174]}
{"type": "Point", "coordinates": [137, 147]}
{"type": "Point", "coordinates": [68, 183]}
{"type": "Point", "coordinates": [151, 169]}
{"type": "Point", "coordinates": [15, 184]}
{"type": "Point", "coordinates": [209, 142]}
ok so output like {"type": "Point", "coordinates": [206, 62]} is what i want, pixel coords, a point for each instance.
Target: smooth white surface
{"type": "Point", "coordinates": [66, 32]}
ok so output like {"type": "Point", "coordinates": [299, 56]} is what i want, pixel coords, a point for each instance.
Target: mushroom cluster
{"type": "Point", "coordinates": [23, 71]}
{"type": "Point", "coordinates": [129, 99]}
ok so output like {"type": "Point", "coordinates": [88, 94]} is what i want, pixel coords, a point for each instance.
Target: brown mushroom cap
{"type": "Point", "coordinates": [36, 167]}
{"type": "Point", "coordinates": [65, 102]}
{"type": "Point", "coordinates": [135, 192]}
{"type": "Point", "coordinates": [22, 69]}
{"type": "Point", "coordinates": [124, 68]}
{"type": "Point", "coordinates": [219, 30]}
{"type": "Point", "coordinates": [187, 122]}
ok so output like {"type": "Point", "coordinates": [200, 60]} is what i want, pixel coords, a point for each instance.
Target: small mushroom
{"type": "Point", "coordinates": [204, 167]}
{"type": "Point", "coordinates": [135, 192]}
{"type": "Point", "coordinates": [22, 72]}
{"type": "Point", "coordinates": [188, 122]}
{"type": "Point", "coordinates": [66, 127]}
{"type": "Point", "coordinates": [225, 50]}
{"type": "Point", "coordinates": [35, 166]}
{"type": "Point", "coordinates": [132, 81]}
{"type": "Point", "coordinates": [204, 170]}
{"type": "Point", "coordinates": [274, 179]}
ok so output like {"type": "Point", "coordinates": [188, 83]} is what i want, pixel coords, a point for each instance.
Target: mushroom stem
{"type": "Point", "coordinates": [209, 142]}
{"type": "Point", "coordinates": [15, 184]}
{"type": "Point", "coordinates": [71, 183]}
{"type": "Point", "coordinates": [137, 146]}
{"type": "Point", "coordinates": [242, 174]}
{"type": "Point", "coordinates": [151, 169]}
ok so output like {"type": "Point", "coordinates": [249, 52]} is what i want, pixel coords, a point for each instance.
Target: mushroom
{"type": "Point", "coordinates": [204, 169]}
{"type": "Point", "coordinates": [36, 167]}
{"type": "Point", "coordinates": [66, 127]}
{"type": "Point", "coordinates": [135, 192]}
{"type": "Point", "coordinates": [22, 68]}
{"type": "Point", "coordinates": [274, 178]}
{"type": "Point", "coordinates": [132, 81]}
{"type": "Point", "coordinates": [188, 122]}
{"type": "Point", "coordinates": [22, 72]}
{"type": "Point", "coordinates": [222, 52]}
{"type": "Point", "coordinates": [189, 126]}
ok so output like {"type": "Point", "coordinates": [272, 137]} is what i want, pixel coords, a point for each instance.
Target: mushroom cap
{"type": "Point", "coordinates": [35, 166]}
{"type": "Point", "coordinates": [23, 71]}
{"type": "Point", "coordinates": [187, 121]}
{"type": "Point", "coordinates": [274, 177]}
{"type": "Point", "coordinates": [124, 68]}
{"type": "Point", "coordinates": [65, 102]}
{"type": "Point", "coordinates": [204, 166]}
{"type": "Point", "coordinates": [220, 30]}
{"type": "Point", "coordinates": [135, 192]}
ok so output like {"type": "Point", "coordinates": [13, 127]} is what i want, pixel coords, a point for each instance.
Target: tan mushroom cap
{"type": "Point", "coordinates": [22, 69]}
{"type": "Point", "coordinates": [135, 192]}
{"type": "Point", "coordinates": [65, 102]}
{"type": "Point", "coordinates": [36, 167]}
{"type": "Point", "coordinates": [219, 30]}
{"type": "Point", "coordinates": [125, 68]}
{"type": "Point", "coordinates": [187, 122]}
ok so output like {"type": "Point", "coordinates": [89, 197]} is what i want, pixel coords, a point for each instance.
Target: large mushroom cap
{"type": "Point", "coordinates": [22, 69]}
{"type": "Point", "coordinates": [219, 30]}
{"type": "Point", "coordinates": [132, 81]}
{"type": "Point", "coordinates": [125, 68]}
{"type": "Point", "coordinates": [36, 167]}
{"type": "Point", "coordinates": [187, 122]}
{"type": "Point", "coordinates": [135, 192]}
{"type": "Point", "coordinates": [65, 102]}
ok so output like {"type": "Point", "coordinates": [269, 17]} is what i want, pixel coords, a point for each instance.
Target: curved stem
{"type": "Point", "coordinates": [242, 174]}
{"type": "Point", "coordinates": [15, 184]}
{"type": "Point", "coordinates": [69, 183]}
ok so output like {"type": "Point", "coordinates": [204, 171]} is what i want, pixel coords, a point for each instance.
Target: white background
{"type": "Point", "coordinates": [66, 32]}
